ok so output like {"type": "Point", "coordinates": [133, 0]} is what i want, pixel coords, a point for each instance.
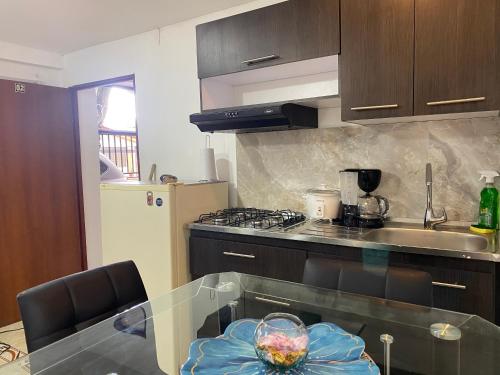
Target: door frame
{"type": "Point", "coordinates": [105, 82]}
{"type": "Point", "coordinates": [74, 101]}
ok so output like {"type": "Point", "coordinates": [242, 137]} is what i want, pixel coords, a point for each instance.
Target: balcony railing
{"type": "Point", "coordinates": [121, 148]}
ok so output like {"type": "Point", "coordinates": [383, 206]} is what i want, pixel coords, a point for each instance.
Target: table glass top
{"type": "Point", "coordinates": [154, 338]}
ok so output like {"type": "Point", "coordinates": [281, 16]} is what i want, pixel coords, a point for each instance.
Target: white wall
{"type": "Point", "coordinates": [21, 63]}
{"type": "Point", "coordinates": [167, 92]}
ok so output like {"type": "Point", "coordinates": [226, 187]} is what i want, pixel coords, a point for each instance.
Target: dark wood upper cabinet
{"type": "Point", "coordinates": [315, 31]}
{"type": "Point", "coordinates": [376, 63]}
{"type": "Point", "coordinates": [224, 45]}
{"type": "Point", "coordinates": [497, 34]}
{"type": "Point", "coordinates": [455, 56]}
{"type": "Point", "coordinates": [285, 32]}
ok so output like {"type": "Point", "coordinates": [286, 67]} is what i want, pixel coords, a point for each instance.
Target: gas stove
{"type": "Point", "coordinates": [252, 218]}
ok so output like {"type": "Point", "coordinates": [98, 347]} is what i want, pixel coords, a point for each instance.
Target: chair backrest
{"type": "Point", "coordinates": [59, 308]}
{"type": "Point", "coordinates": [398, 284]}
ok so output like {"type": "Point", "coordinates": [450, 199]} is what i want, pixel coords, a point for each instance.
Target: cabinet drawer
{"type": "Point", "coordinates": [213, 256]}
{"type": "Point", "coordinates": [464, 291]}
{"type": "Point", "coordinates": [459, 289]}
{"type": "Point", "coordinates": [459, 285]}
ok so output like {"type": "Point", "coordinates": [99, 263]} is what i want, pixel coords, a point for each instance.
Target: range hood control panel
{"type": "Point", "coordinates": [232, 114]}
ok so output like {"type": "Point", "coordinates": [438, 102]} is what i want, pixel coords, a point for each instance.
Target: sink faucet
{"type": "Point", "coordinates": [430, 219]}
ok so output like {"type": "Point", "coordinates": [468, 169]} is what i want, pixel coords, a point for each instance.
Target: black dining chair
{"type": "Point", "coordinates": [60, 308]}
{"type": "Point", "coordinates": [391, 283]}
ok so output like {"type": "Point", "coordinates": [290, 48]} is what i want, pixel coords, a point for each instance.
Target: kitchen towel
{"type": "Point", "coordinates": [209, 171]}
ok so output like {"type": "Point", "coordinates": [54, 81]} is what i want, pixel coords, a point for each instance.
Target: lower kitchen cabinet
{"type": "Point", "coordinates": [213, 256]}
{"type": "Point", "coordinates": [465, 291]}
{"type": "Point", "coordinates": [463, 285]}
{"type": "Point", "coordinates": [466, 286]}
{"type": "Point", "coordinates": [461, 288]}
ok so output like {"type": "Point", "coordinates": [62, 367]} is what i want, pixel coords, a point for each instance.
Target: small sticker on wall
{"type": "Point", "coordinates": [159, 202]}
{"type": "Point", "coordinates": [19, 88]}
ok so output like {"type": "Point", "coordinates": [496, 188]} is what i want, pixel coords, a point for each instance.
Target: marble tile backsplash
{"type": "Point", "coordinates": [275, 169]}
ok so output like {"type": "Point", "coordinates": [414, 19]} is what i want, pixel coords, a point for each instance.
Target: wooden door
{"type": "Point", "coordinates": [40, 237]}
{"type": "Point", "coordinates": [455, 56]}
{"type": "Point", "coordinates": [376, 62]}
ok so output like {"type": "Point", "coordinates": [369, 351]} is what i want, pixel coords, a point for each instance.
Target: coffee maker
{"type": "Point", "coordinates": [372, 209]}
{"type": "Point", "coordinates": [365, 211]}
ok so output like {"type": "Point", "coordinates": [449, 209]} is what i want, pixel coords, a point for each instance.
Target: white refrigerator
{"type": "Point", "coordinates": [148, 224]}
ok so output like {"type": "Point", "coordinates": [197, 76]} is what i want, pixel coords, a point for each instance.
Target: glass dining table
{"type": "Point", "coordinates": [156, 337]}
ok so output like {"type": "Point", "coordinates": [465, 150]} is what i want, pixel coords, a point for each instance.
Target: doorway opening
{"type": "Point", "coordinates": [117, 129]}
{"type": "Point", "coordinates": [109, 147]}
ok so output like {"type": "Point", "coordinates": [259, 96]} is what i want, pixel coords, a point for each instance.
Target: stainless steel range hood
{"type": "Point", "coordinates": [259, 118]}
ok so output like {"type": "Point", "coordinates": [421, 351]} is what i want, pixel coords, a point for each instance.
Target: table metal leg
{"type": "Point", "coordinates": [387, 340]}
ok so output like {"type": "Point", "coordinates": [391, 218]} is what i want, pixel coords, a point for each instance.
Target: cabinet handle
{"type": "Point", "coordinates": [262, 299]}
{"type": "Point", "coordinates": [247, 256]}
{"type": "Point", "coordinates": [385, 106]}
{"type": "Point", "coordinates": [447, 285]}
{"type": "Point", "coordinates": [457, 101]}
{"type": "Point", "coordinates": [260, 59]}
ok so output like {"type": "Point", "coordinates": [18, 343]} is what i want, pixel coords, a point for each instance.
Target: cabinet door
{"type": "Point", "coordinates": [376, 62]}
{"type": "Point", "coordinates": [285, 32]}
{"type": "Point", "coordinates": [497, 46]}
{"type": "Point", "coordinates": [231, 44]}
{"type": "Point", "coordinates": [455, 56]}
{"type": "Point", "coordinates": [214, 256]}
{"type": "Point", "coordinates": [315, 28]}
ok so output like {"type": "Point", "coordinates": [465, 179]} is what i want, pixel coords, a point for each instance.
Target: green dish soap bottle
{"type": "Point", "coordinates": [488, 207]}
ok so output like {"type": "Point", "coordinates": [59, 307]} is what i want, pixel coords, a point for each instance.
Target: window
{"type": "Point", "coordinates": [117, 126]}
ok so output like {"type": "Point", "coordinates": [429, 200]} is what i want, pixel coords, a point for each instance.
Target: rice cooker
{"type": "Point", "coordinates": [322, 203]}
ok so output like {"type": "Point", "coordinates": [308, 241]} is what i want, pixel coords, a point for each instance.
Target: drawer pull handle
{"type": "Point", "coordinates": [386, 106]}
{"type": "Point", "coordinates": [457, 101]}
{"type": "Point", "coordinates": [262, 299]}
{"type": "Point", "coordinates": [260, 59]}
{"type": "Point", "coordinates": [247, 256]}
{"type": "Point", "coordinates": [447, 285]}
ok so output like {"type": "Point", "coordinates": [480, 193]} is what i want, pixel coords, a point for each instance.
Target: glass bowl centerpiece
{"type": "Point", "coordinates": [281, 341]}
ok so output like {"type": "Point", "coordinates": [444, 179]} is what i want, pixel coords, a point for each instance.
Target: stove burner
{"type": "Point", "coordinates": [252, 218]}
{"type": "Point", "coordinates": [221, 221]}
{"type": "Point", "coordinates": [257, 223]}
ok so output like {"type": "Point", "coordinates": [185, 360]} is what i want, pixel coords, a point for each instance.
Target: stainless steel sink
{"type": "Point", "coordinates": [428, 239]}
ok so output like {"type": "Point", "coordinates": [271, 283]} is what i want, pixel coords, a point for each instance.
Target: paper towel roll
{"type": "Point", "coordinates": [209, 172]}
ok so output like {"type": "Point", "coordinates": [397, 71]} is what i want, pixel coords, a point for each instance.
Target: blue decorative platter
{"type": "Point", "coordinates": [331, 351]}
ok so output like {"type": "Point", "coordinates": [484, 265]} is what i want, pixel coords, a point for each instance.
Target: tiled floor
{"type": "Point", "coordinates": [15, 338]}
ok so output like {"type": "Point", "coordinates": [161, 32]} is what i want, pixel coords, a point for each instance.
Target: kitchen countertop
{"type": "Point", "coordinates": [325, 233]}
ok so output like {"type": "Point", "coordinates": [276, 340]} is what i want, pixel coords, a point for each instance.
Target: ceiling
{"type": "Point", "coordinates": [64, 26]}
